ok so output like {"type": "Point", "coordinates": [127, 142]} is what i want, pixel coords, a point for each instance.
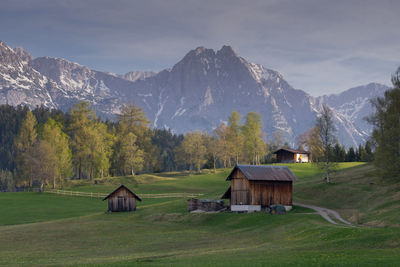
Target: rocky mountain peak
{"type": "Point", "coordinates": [227, 51]}
{"type": "Point", "coordinates": [23, 54]}
{"type": "Point", "coordinates": [64, 72]}
{"type": "Point", "coordinates": [7, 55]}
{"type": "Point", "coordinates": [13, 59]}
{"type": "Point", "coordinates": [199, 52]}
{"type": "Point", "coordinates": [137, 75]}
{"type": "Point", "coordinates": [3, 46]}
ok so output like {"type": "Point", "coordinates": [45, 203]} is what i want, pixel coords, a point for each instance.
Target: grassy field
{"type": "Point", "coordinates": [38, 229]}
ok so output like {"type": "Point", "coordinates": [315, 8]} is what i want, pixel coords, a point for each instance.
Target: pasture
{"type": "Point", "coordinates": [42, 229]}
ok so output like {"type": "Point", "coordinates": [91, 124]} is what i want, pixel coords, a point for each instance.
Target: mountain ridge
{"type": "Point", "coordinates": [198, 92]}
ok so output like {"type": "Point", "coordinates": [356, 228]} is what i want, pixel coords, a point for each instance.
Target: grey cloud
{"type": "Point", "coordinates": [320, 46]}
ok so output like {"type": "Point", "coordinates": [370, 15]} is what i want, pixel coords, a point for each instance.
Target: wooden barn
{"type": "Point", "coordinates": [286, 155]}
{"type": "Point", "coordinates": [122, 199]}
{"type": "Point", "coordinates": [254, 187]}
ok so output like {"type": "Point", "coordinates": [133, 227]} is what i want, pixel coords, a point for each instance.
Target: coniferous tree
{"type": "Point", "coordinates": [7, 182]}
{"type": "Point", "coordinates": [128, 157]}
{"type": "Point", "coordinates": [386, 133]}
{"type": "Point", "coordinates": [351, 155]}
{"type": "Point", "coordinates": [136, 122]}
{"type": "Point", "coordinates": [10, 122]}
{"type": "Point", "coordinates": [165, 142]}
{"type": "Point", "coordinates": [368, 157]}
{"type": "Point", "coordinates": [81, 131]}
{"type": "Point", "coordinates": [24, 144]}
{"type": "Point", "coordinates": [337, 153]}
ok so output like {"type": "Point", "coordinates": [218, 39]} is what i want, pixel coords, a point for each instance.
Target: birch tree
{"type": "Point", "coordinates": [59, 144]}
{"type": "Point", "coordinates": [253, 137]}
{"type": "Point", "coordinates": [326, 131]}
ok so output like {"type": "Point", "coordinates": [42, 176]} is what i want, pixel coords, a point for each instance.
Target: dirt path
{"type": "Point", "coordinates": [325, 213]}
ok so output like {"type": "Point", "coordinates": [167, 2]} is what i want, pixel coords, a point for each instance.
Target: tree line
{"type": "Point", "coordinates": [312, 141]}
{"type": "Point", "coordinates": [45, 146]}
{"type": "Point", "coordinates": [229, 144]}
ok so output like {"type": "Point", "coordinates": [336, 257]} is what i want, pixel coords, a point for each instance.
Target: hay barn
{"type": "Point", "coordinates": [254, 187]}
{"type": "Point", "coordinates": [286, 155]}
{"type": "Point", "coordinates": [122, 199]}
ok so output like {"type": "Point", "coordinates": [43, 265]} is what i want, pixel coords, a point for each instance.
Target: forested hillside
{"type": "Point", "coordinates": [48, 147]}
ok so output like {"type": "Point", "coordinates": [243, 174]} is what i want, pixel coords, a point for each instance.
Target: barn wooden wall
{"type": "Point", "coordinates": [264, 193]}
{"type": "Point", "coordinates": [240, 194]}
{"type": "Point", "coordinates": [285, 157]}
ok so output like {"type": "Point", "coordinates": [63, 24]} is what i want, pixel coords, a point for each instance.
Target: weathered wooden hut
{"type": "Point", "coordinates": [286, 155]}
{"type": "Point", "coordinates": [122, 199]}
{"type": "Point", "coordinates": [254, 187]}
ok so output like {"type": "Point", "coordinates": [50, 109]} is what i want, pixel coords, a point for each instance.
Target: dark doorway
{"type": "Point", "coordinates": [121, 203]}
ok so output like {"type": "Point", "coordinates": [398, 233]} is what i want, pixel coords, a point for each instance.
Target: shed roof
{"type": "Point", "coordinates": [264, 173]}
{"type": "Point", "coordinates": [123, 186]}
{"type": "Point", "coordinates": [294, 151]}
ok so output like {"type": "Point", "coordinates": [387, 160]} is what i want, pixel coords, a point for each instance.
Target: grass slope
{"type": "Point", "coordinates": [19, 208]}
{"type": "Point", "coordinates": [357, 194]}
{"type": "Point", "coordinates": [162, 232]}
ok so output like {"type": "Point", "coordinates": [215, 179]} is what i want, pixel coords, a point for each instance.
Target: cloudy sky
{"type": "Point", "coordinates": [320, 46]}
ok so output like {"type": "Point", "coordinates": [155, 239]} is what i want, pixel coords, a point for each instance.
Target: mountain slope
{"type": "Point", "coordinates": [20, 83]}
{"type": "Point", "coordinates": [137, 75]}
{"type": "Point", "coordinates": [199, 92]}
{"type": "Point", "coordinates": [354, 104]}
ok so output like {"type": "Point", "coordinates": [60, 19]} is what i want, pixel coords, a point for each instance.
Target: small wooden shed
{"type": "Point", "coordinates": [286, 155]}
{"type": "Point", "coordinates": [122, 199]}
{"type": "Point", "coordinates": [254, 187]}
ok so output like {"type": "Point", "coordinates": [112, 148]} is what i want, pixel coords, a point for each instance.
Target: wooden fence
{"type": "Point", "coordinates": [102, 195]}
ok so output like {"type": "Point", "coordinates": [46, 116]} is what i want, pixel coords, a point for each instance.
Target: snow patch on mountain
{"type": "Point", "coordinates": [161, 104]}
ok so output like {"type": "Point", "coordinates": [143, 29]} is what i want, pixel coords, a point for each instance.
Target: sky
{"type": "Point", "coordinates": [320, 46]}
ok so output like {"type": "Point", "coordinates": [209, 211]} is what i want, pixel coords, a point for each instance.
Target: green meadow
{"type": "Point", "coordinates": [43, 229]}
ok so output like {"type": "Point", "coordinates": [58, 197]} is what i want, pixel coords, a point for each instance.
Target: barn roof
{"type": "Point", "coordinates": [123, 186]}
{"type": "Point", "coordinates": [264, 173]}
{"type": "Point", "coordinates": [294, 151]}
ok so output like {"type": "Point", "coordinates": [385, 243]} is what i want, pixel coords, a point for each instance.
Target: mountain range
{"type": "Point", "coordinates": [197, 93]}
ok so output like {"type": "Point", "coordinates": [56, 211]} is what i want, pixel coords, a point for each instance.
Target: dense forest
{"type": "Point", "coordinates": [49, 147]}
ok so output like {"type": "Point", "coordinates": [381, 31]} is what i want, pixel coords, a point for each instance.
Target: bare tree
{"type": "Point", "coordinates": [327, 131]}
